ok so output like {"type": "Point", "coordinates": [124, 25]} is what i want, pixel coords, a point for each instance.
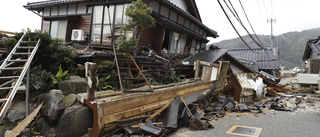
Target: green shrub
{"type": "Point", "coordinates": [50, 54]}
{"type": "Point", "coordinates": [106, 76]}
{"type": "Point", "coordinates": [60, 76]}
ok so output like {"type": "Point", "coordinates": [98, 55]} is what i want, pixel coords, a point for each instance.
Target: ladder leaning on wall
{"type": "Point", "coordinates": [18, 60]}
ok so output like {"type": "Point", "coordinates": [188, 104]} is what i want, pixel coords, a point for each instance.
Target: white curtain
{"type": "Point", "coordinates": [182, 44]}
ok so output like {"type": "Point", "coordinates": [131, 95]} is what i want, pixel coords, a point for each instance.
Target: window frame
{"type": "Point", "coordinates": [114, 26]}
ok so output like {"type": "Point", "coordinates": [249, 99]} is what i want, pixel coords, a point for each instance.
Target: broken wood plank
{"type": "Point", "coordinates": [223, 70]}
{"type": "Point", "coordinates": [24, 123]}
{"type": "Point", "coordinates": [196, 68]}
{"type": "Point", "coordinates": [136, 101]}
{"type": "Point", "coordinates": [135, 118]}
{"type": "Point", "coordinates": [282, 89]}
{"type": "Point", "coordinates": [91, 75]}
{"type": "Point", "coordinates": [271, 91]}
{"type": "Point", "coordinates": [140, 124]}
{"type": "Point", "coordinates": [188, 110]}
{"type": "Point", "coordinates": [159, 111]}
{"type": "Point", "coordinates": [135, 111]}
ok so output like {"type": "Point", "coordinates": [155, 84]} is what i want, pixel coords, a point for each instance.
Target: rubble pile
{"type": "Point", "coordinates": [195, 115]}
{"type": "Point", "coordinates": [286, 102]}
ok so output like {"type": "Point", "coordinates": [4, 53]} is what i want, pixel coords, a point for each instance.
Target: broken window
{"type": "Point", "coordinates": [195, 47]}
{"type": "Point", "coordinates": [177, 43]}
{"type": "Point", "coordinates": [174, 42]}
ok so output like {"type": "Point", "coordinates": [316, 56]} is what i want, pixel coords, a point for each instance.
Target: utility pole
{"type": "Point", "coordinates": [272, 37]}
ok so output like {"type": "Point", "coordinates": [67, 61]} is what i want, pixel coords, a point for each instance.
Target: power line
{"type": "Point", "coordinates": [250, 23]}
{"type": "Point", "coordinates": [260, 10]}
{"type": "Point", "coordinates": [265, 9]}
{"type": "Point", "coordinates": [235, 14]}
{"type": "Point", "coordinates": [233, 26]}
{"type": "Point", "coordinates": [272, 10]}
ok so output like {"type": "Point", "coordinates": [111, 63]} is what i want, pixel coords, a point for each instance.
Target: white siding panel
{"type": "Point", "coordinates": [164, 11]}
{"type": "Point", "coordinates": [72, 9]}
{"type": "Point", "coordinates": [46, 11]}
{"type": "Point", "coordinates": [180, 3]}
{"type": "Point", "coordinates": [82, 8]}
{"type": "Point", "coordinates": [63, 10]}
{"type": "Point", "coordinates": [54, 11]}
{"type": "Point", "coordinates": [155, 7]}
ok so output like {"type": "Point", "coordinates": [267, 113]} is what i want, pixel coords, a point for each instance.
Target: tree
{"type": "Point", "coordinates": [139, 16]}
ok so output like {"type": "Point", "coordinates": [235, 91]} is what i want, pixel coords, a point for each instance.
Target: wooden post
{"type": "Point", "coordinates": [91, 75]}
{"type": "Point", "coordinates": [196, 75]}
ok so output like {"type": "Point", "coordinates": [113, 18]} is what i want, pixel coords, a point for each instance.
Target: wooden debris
{"type": "Point", "coordinates": [281, 89]}
{"type": "Point", "coordinates": [18, 129]}
{"type": "Point", "coordinates": [271, 91]}
{"type": "Point", "coordinates": [159, 111]}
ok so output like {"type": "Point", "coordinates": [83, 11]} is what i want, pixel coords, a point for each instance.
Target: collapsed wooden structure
{"type": "Point", "coordinates": [110, 107]}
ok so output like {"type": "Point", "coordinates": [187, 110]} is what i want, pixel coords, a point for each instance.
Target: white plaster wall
{"type": "Point", "coordinates": [180, 3]}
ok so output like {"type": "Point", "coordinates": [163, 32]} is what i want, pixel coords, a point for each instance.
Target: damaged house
{"type": "Point", "coordinates": [245, 64]}
{"type": "Point", "coordinates": [312, 55]}
{"type": "Point", "coordinates": [98, 23]}
{"type": "Point", "coordinates": [178, 30]}
{"type": "Point", "coordinates": [242, 60]}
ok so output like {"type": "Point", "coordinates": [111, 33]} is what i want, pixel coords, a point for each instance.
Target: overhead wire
{"type": "Point", "coordinates": [260, 11]}
{"type": "Point", "coordinates": [235, 14]}
{"type": "Point", "coordinates": [233, 26]}
{"type": "Point", "coordinates": [265, 9]}
{"type": "Point", "coordinates": [250, 23]}
{"type": "Point", "coordinates": [272, 9]}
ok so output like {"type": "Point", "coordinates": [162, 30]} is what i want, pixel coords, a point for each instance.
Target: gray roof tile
{"type": "Point", "coordinates": [262, 59]}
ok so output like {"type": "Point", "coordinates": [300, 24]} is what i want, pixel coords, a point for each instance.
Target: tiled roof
{"type": "Point", "coordinates": [40, 4]}
{"type": "Point", "coordinates": [262, 59]}
{"type": "Point", "coordinates": [207, 56]}
{"type": "Point", "coordinates": [312, 45]}
{"type": "Point", "coordinates": [49, 2]}
{"type": "Point", "coordinates": [255, 60]}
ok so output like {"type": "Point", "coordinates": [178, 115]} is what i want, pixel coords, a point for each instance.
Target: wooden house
{"type": "Point", "coordinates": [178, 30]}
{"type": "Point", "coordinates": [241, 60]}
{"type": "Point", "coordinates": [312, 55]}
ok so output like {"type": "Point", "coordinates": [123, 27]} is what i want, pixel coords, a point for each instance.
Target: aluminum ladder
{"type": "Point", "coordinates": [18, 60]}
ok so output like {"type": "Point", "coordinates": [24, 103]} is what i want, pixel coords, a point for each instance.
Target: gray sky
{"type": "Point", "coordinates": [290, 15]}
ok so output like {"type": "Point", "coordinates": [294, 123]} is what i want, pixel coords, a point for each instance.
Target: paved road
{"type": "Point", "coordinates": [304, 122]}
